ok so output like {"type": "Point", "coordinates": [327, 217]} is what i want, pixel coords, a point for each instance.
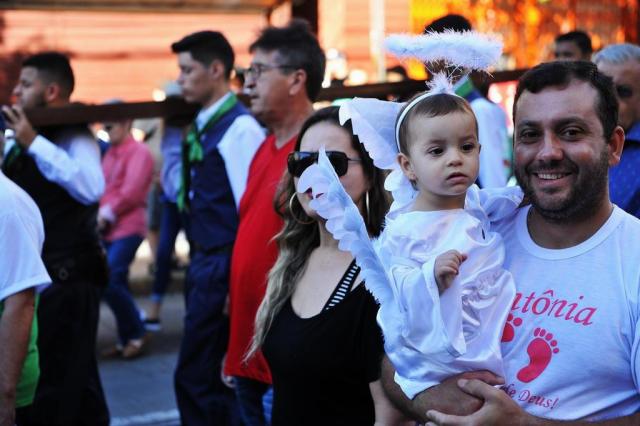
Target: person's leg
{"type": "Point", "coordinates": [154, 213]}
{"type": "Point", "coordinates": [120, 254]}
{"type": "Point", "coordinates": [249, 394]}
{"type": "Point", "coordinates": [267, 405]}
{"type": "Point", "coordinates": [169, 227]}
{"type": "Point", "coordinates": [201, 396]}
{"type": "Point", "coordinates": [69, 390]}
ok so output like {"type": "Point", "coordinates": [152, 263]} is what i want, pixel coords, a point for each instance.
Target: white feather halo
{"type": "Point", "coordinates": [467, 49]}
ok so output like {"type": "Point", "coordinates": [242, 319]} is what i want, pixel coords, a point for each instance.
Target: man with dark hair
{"type": "Point", "coordinates": [59, 167]}
{"type": "Point", "coordinates": [573, 46]}
{"type": "Point", "coordinates": [621, 62]}
{"type": "Point", "coordinates": [570, 344]}
{"type": "Point", "coordinates": [284, 78]}
{"type": "Point", "coordinates": [216, 154]}
{"type": "Point", "coordinates": [492, 121]}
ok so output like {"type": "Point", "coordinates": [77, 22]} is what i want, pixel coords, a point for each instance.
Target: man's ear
{"type": "Point", "coordinates": [298, 82]}
{"type": "Point", "coordinates": [216, 69]}
{"type": "Point", "coordinates": [406, 167]}
{"type": "Point", "coordinates": [615, 145]}
{"type": "Point", "coordinates": [52, 92]}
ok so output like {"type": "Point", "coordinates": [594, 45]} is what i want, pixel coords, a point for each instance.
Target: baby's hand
{"type": "Point", "coordinates": [447, 267]}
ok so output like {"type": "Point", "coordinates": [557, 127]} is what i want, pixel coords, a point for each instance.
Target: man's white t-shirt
{"type": "Point", "coordinates": [570, 346]}
{"type": "Point", "coordinates": [21, 239]}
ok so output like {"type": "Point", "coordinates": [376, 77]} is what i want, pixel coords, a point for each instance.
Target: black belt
{"type": "Point", "coordinates": [212, 251]}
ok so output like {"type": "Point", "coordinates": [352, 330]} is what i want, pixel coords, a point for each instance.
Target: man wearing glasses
{"type": "Point", "coordinates": [284, 78]}
{"type": "Point", "coordinates": [621, 62]}
{"type": "Point", "coordinates": [216, 154]}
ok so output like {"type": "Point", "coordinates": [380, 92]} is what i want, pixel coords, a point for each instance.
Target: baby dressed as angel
{"type": "Point", "coordinates": [436, 269]}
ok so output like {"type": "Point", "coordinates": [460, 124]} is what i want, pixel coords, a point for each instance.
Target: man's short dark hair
{"type": "Point", "coordinates": [561, 74]}
{"type": "Point", "coordinates": [53, 67]}
{"type": "Point", "coordinates": [206, 46]}
{"type": "Point", "coordinates": [298, 47]}
{"type": "Point", "coordinates": [580, 38]}
{"type": "Point", "coordinates": [449, 22]}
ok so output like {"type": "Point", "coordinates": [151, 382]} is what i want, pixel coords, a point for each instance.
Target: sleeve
{"type": "Point", "coordinates": [21, 267]}
{"type": "Point", "coordinates": [76, 167]}
{"type": "Point", "coordinates": [433, 323]}
{"type": "Point", "coordinates": [492, 133]}
{"type": "Point", "coordinates": [237, 148]}
{"type": "Point", "coordinates": [172, 162]}
{"type": "Point", "coordinates": [495, 203]}
{"type": "Point", "coordinates": [133, 191]}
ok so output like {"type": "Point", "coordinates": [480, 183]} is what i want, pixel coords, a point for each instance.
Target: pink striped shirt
{"type": "Point", "coordinates": [128, 170]}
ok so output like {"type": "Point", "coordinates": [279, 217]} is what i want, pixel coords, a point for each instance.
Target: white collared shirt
{"type": "Point", "coordinates": [73, 164]}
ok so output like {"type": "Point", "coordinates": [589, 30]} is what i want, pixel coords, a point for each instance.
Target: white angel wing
{"type": "Point", "coordinates": [345, 223]}
{"type": "Point", "coordinates": [374, 122]}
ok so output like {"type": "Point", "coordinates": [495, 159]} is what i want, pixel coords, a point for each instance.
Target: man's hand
{"type": "Point", "coordinates": [447, 267]}
{"type": "Point", "coordinates": [446, 397]}
{"type": "Point", "coordinates": [19, 123]}
{"type": "Point", "coordinates": [498, 408]}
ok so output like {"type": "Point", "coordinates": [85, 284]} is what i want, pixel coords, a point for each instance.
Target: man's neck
{"type": "Point", "coordinates": [290, 124]}
{"type": "Point", "coordinates": [215, 96]}
{"type": "Point", "coordinates": [552, 234]}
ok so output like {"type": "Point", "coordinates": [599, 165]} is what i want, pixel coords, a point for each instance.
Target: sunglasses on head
{"type": "Point", "coordinates": [298, 161]}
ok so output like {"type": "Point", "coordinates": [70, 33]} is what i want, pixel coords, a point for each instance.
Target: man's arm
{"type": "Point", "coordinates": [15, 330]}
{"type": "Point", "coordinates": [446, 397]}
{"type": "Point", "coordinates": [498, 408]}
{"type": "Point", "coordinates": [77, 169]}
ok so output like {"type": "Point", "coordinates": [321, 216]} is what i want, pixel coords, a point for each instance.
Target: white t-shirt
{"type": "Point", "coordinates": [21, 239]}
{"type": "Point", "coordinates": [570, 346]}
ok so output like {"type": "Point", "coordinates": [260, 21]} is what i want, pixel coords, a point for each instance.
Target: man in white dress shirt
{"type": "Point", "coordinates": [59, 167]}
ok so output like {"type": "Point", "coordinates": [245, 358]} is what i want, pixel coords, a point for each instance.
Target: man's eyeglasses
{"type": "Point", "coordinates": [255, 70]}
{"type": "Point", "coordinates": [624, 92]}
{"type": "Point", "coordinates": [298, 161]}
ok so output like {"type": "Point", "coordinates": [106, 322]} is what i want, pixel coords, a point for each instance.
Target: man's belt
{"type": "Point", "coordinates": [90, 266]}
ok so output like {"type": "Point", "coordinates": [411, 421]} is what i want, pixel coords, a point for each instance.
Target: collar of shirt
{"type": "Point", "coordinates": [206, 113]}
{"type": "Point", "coordinates": [460, 89]}
{"type": "Point", "coordinates": [634, 133]}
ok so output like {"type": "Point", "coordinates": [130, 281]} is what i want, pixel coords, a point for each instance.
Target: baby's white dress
{"type": "Point", "coordinates": [437, 336]}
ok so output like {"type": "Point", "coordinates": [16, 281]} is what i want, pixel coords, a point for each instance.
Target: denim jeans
{"type": "Point", "coordinates": [171, 222]}
{"type": "Point", "coordinates": [120, 254]}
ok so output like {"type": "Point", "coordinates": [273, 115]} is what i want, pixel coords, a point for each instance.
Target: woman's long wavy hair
{"type": "Point", "coordinates": [297, 239]}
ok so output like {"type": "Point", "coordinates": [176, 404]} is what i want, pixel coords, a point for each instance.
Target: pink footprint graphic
{"type": "Point", "coordinates": [540, 351]}
{"type": "Point", "coordinates": [509, 331]}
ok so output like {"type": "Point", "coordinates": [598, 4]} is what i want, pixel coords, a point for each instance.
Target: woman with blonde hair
{"type": "Point", "coordinates": [317, 323]}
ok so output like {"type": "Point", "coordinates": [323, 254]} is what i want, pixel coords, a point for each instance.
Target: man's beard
{"type": "Point", "coordinates": [584, 197]}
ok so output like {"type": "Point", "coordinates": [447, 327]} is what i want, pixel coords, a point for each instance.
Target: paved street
{"type": "Point", "coordinates": [140, 391]}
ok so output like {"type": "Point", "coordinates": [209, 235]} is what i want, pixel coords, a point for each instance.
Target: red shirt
{"type": "Point", "coordinates": [254, 253]}
{"type": "Point", "coordinates": [128, 170]}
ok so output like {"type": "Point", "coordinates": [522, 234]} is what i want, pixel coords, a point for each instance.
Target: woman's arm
{"type": "Point", "coordinates": [386, 413]}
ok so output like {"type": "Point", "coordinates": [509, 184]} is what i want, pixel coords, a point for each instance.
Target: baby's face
{"type": "Point", "coordinates": [443, 157]}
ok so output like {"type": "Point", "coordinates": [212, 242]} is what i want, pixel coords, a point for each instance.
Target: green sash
{"type": "Point", "coordinates": [192, 150]}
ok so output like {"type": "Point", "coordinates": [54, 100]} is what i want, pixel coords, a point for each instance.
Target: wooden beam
{"type": "Point", "coordinates": [176, 108]}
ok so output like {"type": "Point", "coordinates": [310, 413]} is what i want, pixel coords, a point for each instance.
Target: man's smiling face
{"type": "Point", "coordinates": [561, 154]}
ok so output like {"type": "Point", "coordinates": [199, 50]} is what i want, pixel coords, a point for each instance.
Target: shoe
{"type": "Point", "coordinates": [114, 351]}
{"type": "Point", "coordinates": [134, 348]}
{"type": "Point", "coordinates": [152, 324]}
